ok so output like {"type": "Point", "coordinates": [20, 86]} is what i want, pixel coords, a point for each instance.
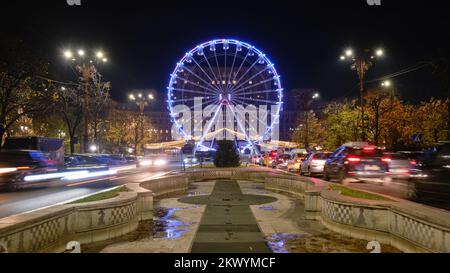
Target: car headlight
{"type": "Point", "coordinates": [145, 163]}
{"type": "Point", "coordinates": [160, 162]}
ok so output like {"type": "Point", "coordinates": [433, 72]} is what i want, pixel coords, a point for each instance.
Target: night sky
{"type": "Point", "coordinates": [144, 40]}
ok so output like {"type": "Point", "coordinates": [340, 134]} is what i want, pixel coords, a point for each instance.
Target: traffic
{"type": "Point", "coordinates": [423, 175]}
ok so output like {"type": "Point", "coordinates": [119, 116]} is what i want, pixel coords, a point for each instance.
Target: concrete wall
{"type": "Point", "coordinates": [49, 230]}
{"type": "Point", "coordinates": [408, 226]}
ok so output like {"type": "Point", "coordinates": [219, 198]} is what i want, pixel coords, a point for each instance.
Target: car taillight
{"type": "Point", "coordinates": [413, 162]}
{"type": "Point", "coordinates": [386, 159]}
{"type": "Point", "coordinates": [353, 159]}
{"type": "Point", "coordinates": [369, 149]}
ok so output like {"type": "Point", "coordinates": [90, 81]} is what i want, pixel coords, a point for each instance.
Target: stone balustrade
{"type": "Point", "coordinates": [408, 226]}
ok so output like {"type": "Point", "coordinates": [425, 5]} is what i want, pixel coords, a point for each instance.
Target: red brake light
{"type": "Point", "coordinates": [369, 149]}
{"type": "Point", "coordinates": [353, 159]}
{"type": "Point", "coordinates": [413, 162]}
{"type": "Point", "coordinates": [386, 159]}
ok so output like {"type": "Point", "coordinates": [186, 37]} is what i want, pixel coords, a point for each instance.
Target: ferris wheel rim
{"type": "Point", "coordinates": [211, 90]}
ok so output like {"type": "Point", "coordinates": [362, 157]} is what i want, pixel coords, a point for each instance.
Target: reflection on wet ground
{"type": "Point", "coordinates": [287, 231]}
{"type": "Point", "coordinates": [166, 226]}
{"type": "Point", "coordinates": [328, 242]}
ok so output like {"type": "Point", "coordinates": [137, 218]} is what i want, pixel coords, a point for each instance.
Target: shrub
{"type": "Point", "coordinates": [226, 155]}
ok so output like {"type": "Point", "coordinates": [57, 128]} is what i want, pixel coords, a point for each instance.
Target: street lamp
{"type": "Point", "coordinates": [386, 84]}
{"type": "Point", "coordinates": [361, 62]}
{"type": "Point", "coordinates": [85, 65]}
{"type": "Point", "coordinates": [141, 101]}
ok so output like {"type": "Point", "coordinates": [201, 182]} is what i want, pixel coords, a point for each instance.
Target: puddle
{"type": "Point", "coordinates": [278, 242]}
{"type": "Point", "coordinates": [166, 226]}
{"type": "Point", "coordinates": [267, 208]}
{"type": "Point", "coordinates": [329, 242]}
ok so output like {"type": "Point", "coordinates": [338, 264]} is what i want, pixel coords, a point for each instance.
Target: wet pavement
{"type": "Point", "coordinates": [228, 225]}
{"type": "Point", "coordinates": [228, 216]}
{"type": "Point", "coordinates": [287, 231]}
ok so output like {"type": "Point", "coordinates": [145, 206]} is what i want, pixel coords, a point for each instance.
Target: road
{"type": "Point", "coordinates": [397, 188]}
{"type": "Point", "coordinates": [12, 203]}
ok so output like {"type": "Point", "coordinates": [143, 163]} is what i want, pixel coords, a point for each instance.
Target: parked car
{"type": "Point", "coordinates": [294, 164]}
{"type": "Point", "coordinates": [281, 161]}
{"type": "Point", "coordinates": [358, 161]}
{"type": "Point", "coordinates": [314, 163]}
{"type": "Point", "coordinates": [15, 165]}
{"type": "Point", "coordinates": [269, 158]}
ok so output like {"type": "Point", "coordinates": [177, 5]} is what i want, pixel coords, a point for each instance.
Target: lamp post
{"type": "Point", "coordinates": [361, 62]}
{"type": "Point", "coordinates": [309, 107]}
{"type": "Point", "coordinates": [85, 65]}
{"type": "Point", "coordinates": [141, 101]}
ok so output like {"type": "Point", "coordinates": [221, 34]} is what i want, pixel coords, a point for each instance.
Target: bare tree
{"type": "Point", "coordinates": [69, 106]}
{"type": "Point", "coordinates": [99, 100]}
{"type": "Point", "coordinates": [21, 92]}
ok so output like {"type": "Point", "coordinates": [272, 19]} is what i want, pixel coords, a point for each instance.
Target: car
{"type": "Point", "coordinates": [281, 161]}
{"type": "Point", "coordinates": [433, 183]}
{"type": "Point", "coordinates": [293, 165]}
{"type": "Point", "coordinates": [402, 166]}
{"type": "Point", "coordinates": [269, 158]}
{"type": "Point", "coordinates": [314, 163]}
{"type": "Point", "coordinates": [358, 161]}
{"type": "Point", "coordinates": [15, 165]}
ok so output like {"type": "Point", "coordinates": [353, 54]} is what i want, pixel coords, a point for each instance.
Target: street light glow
{"type": "Point", "coordinates": [93, 148]}
{"type": "Point", "coordinates": [81, 52]}
{"type": "Point", "coordinates": [68, 54]}
{"type": "Point", "coordinates": [99, 54]}
{"type": "Point", "coordinates": [131, 97]}
{"type": "Point", "coordinates": [104, 60]}
{"type": "Point", "coordinates": [379, 52]}
{"type": "Point", "coordinates": [349, 52]}
{"type": "Point", "coordinates": [386, 83]}
{"type": "Point", "coordinates": [150, 96]}
{"type": "Point", "coordinates": [342, 58]}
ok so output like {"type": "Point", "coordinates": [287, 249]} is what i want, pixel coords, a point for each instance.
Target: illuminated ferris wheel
{"type": "Point", "coordinates": [224, 89]}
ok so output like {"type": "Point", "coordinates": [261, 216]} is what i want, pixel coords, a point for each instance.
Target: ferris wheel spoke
{"type": "Point", "coordinates": [258, 92]}
{"type": "Point", "coordinates": [248, 70]}
{"type": "Point", "coordinates": [253, 115]}
{"type": "Point", "coordinates": [251, 78]}
{"type": "Point", "coordinates": [217, 64]}
{"type": "Point", "coordinates": [210, 68]}
{"type": "Point", "coordinates": [212, 91]}
{"type": "Point", "coordinates": [207, 75]}
{"type": "Point", "coordinates": [198, 77]}
{"type": "Point", "coordinates": [213, 100]}
{"type": "Point", "coordinates": [194, 91]}
{"type": "Point", "coordinates": [233, 111]}
{"type": "Point", "coordinates": [211, 123]}
{"type": "Point", "coordinates": [239, 91]}
{"type": "Point", "coordinates": [256, 100]}
{"type": "Point", "coordinates": [240, 66]}
{"type": "Point", "coordinates": [231, 71]}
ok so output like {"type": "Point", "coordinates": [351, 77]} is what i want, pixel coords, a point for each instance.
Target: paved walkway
{"type": "Point", "coordinates": [228, 216]}
{"type": "Point", "coordinates": [228, 224]}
